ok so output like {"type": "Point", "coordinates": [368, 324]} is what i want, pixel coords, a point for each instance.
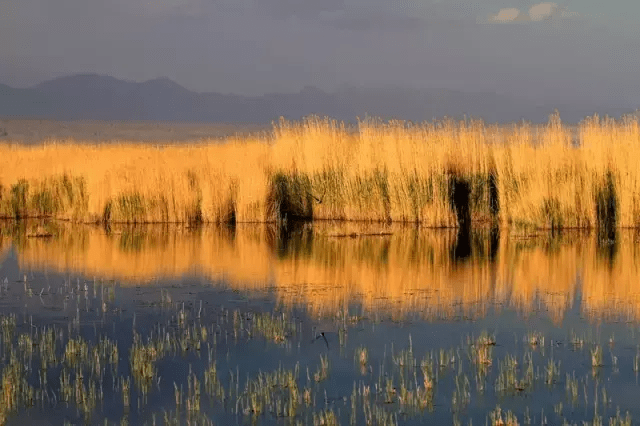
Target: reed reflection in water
{"type": "Point", "coordinates": [389, 269]}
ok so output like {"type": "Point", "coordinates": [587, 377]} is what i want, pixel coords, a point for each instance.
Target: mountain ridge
{"type": "Point", "coordinates": [102, 97]}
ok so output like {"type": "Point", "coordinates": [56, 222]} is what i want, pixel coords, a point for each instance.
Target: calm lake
{"type": "Point", "coordinates": [318, 324]}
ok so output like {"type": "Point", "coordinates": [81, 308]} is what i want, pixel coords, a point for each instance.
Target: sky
{"type": "Point", "coordinates": [572, 49]}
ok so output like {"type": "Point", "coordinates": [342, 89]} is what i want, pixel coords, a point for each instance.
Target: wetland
{"type": "Point", "coordinates": [322, 323]}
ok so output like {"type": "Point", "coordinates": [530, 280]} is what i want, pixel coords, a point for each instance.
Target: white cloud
{"type": "Point", "coordinates": [542, 11]}
{"type": "Point", "coordinates": [506, 15]}
{"type": "Point", "coordinates": [538, 12]}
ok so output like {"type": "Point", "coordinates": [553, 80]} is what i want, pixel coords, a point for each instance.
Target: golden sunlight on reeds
{"type": "Point", "coordinates": [441, 174]}
{"type": "Point", "coordinates": [394, 270]}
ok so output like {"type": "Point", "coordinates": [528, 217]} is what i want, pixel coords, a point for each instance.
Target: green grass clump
{"type": "Point", "coordinates": [61, 196]}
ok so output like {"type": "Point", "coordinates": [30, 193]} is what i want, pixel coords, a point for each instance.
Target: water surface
{"type": "Point", "coordinates": [357, 324]}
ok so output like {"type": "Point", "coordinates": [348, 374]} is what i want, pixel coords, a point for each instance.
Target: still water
{"type": "Point", "coordinates": [316, 324]}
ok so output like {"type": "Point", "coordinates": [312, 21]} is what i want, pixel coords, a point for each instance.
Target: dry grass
{"type": "Point", "coordinates": [439, 174]}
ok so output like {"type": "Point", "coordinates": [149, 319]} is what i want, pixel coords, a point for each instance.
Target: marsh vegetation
{"type": "Point", "coordinates": [440, 174]}
{"type": "Point", "coordinates": [135, 290]}
{"type": "Point", "coordinates": [171, 325]}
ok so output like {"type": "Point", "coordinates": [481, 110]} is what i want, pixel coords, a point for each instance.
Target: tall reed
{"type": "Point", "coordinates": [440, 174]}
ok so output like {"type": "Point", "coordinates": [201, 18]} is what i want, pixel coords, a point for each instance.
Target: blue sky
{"type": "Point", "coordinates": [583, 49]}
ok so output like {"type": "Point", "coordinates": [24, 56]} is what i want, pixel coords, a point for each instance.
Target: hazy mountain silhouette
{"type": "Point", "coordinates": [92, 96]}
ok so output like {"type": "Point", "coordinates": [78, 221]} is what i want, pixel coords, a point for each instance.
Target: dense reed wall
{"type": "Point", "coordinates": [441, 174]}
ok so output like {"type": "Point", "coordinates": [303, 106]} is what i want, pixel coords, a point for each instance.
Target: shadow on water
{"type": "Point", "coordinates": [608, 246]}
{"type": "Point", "coordinates": [295, 239]}
{"type": "Point", "coordinates": [479, 244]}
{"type": "Point", "coordinates": [462, 250]}
{"type": "Point", "coordinates": [494, 243]}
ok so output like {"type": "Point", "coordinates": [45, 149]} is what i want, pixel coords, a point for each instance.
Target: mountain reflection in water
{"type": "Point", "coordinates": [395, 270]}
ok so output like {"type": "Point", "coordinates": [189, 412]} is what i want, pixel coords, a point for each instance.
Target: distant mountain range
{"type": "Point", "coordinates": [97, 97]}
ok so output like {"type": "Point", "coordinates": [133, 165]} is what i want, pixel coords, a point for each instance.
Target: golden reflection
{"type": "Point", "coordinates": [392, 269]}
{"type": "Point", "coordinates": [5, 246]}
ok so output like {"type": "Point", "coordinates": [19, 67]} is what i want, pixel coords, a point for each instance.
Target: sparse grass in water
{"type": "Point", "coordinates": [500, 418]}
{"type": "Point", "coordinates": [596, 356]}
{"type": "Point", "coordinates": [403, 385]}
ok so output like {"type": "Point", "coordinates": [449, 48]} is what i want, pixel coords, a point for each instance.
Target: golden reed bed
{"type": "Point", "coordinates": [322, 267]}
{"type": "Point", "coordinates": [439, 174]}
